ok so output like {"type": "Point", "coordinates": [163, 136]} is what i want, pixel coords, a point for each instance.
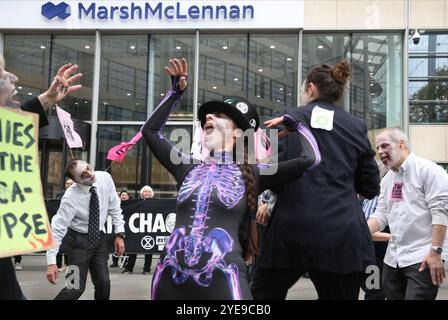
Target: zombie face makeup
{"type": "Point", "coordinates": [219, 132]}
{"type": "Point", "coordinates": [392, 156]}
{"type": "Point", "coordinates": [84, 174]}
{"type": "Point", "coordinates": [7, 87]}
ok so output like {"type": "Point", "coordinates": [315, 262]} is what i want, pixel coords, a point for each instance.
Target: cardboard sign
{"type": "Point", "coordinates": [24, 225]}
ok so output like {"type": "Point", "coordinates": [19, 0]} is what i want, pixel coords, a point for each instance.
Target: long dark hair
{"type": "Point", "coordinates": [330, 81]}
{"type": "Point", "coordinates": [249, 231]}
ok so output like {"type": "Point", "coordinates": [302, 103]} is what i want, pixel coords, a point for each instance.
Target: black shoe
{"type": "Point", "coordinates": [146, 272]}
{"type": "Point", "coordinates": [126, 271]}
{"type": "Point", "coordinates": [114, 265]}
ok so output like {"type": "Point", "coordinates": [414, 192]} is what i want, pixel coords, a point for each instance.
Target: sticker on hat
{"type": "Point", "coordinates": [242, 107]}
{"type": "Point", "coordinates": [252, 123]}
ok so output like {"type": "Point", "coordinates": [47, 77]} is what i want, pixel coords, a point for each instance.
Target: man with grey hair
{"type": "Point", "coordinates": [59, 88]}
{"type": "Point", "coordinates": [414, 203]}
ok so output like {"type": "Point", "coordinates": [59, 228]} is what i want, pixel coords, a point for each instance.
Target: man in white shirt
{"type": "Point", "coordinates": [414, 203]}
{"type": "Point", "coordinates": [80, 219]}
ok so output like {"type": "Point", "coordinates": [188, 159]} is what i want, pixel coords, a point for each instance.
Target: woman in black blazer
{"type": "Point", "coordinates": [317, 225]}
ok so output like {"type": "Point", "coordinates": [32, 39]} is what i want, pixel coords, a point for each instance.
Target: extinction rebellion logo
{"type": "Point", "coordinates": [50, 10]}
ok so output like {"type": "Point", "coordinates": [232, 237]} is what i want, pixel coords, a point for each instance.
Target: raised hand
{"type": "Point", "coordinates": [262, 216]}
{"type": "Point", "coordinates": [179, 68]}
{"type": "Point", "coordinates": [275, 122]}
{"type": "Point", "coordinates": [61, 86]}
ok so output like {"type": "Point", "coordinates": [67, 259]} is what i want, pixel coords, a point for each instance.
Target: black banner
{"type": "Point", "coordinates": [148, 224]}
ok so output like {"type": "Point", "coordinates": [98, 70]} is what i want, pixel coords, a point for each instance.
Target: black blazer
{"type": "Point", "coordinates": [34, 106]}
{"type": "Point", "coordinates": [318, 222]}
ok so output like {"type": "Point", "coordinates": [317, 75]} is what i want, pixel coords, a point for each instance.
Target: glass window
{"type": "Point", "coordinates": [444, 166]}
{"type": "Point", "coordinates": [54, 166]}
{"type": "Point", "coordinates": [162, 49]}
{"type": "Point", "coordinates": [261, 69]}
{"type": "Point", "coordinates": [272, 72]}
{"type": "Point", "coordinates": [428, 79]}
{"type": "Point", "coordinates": [375, 92]}
{"type": "Point", "coordinates": [139, 167]}
{"type": "Point", "coordinates": [163, 183]}
{"type": "Point", "coordinates": [123, 77]}
{"type": "Point", "coordinates": [28, 57]}
{"type": "Point", "coordinates": [35, 59]}
{"type": "Point", "coordinates": [222, 66]}
{"type": "Point", "coordinates": [76, 50]}
{"type": "Point", "coordinates": [126, 174]}
{"type": "Point", "coordinates": [323, 49]}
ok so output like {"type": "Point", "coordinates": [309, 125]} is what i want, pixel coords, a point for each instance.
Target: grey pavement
{"type": "Point", "coordinates": [135, 286]}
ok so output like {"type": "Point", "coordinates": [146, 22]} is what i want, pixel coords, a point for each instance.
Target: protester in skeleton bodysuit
{"type": "Point", "coordinates": [204, 258]}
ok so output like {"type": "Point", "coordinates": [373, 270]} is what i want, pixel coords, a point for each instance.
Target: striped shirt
{"type": "Point", "coordinates": [368, 206]}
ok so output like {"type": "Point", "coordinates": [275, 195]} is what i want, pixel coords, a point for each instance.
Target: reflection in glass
{"type": "Point", "coordinates": [28, 57]}
{"type": "Point", "coordinates": [54, 174]}
{"type": "Point", "coordinates": [428, 79]}
{"type": "Point", "coordinates": [444, 166]}
{"type": "Point", "coordinates": [35, 59]}
{"type": "Point", "coordinates": [222, 66]}
{"type": "Point", "coordinates": [428, 111]}
{"type": "Point", "coordinates": [323, 49]}
{"type": "Point", "coordinates": [123, 77]}
{"type": "Point", "coordinates": [76, 50]}
{"type": "Point", "coordinates": [161, 179]}
{"type": "Point", "coordinates": [55, 163]}
{"type": "Point", "coordinates": [261, 69]}
{"type": "Point", "coordinates": [272, 72]}
{"type": "Point", "coordinates": [376, 86]}
{"type": "Point", "coordinates": [126, 174]}
{"type": "Point", "coordinates": [162, 48]}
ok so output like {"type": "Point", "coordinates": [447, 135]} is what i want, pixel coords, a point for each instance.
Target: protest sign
{"type": "Point", "coordinates": [24, 225]}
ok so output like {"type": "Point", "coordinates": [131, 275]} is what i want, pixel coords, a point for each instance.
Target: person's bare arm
{"type": "Point", "coordinates": [381, 236]}
{"type": "Point", "coordinates": [434, 260]}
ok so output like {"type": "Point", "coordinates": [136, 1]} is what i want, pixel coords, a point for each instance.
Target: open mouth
{"type": "Point", "coordinates": [13, 93]}
{"type": "Point", "coordinates": [384, 158]}
{"type": "Point", "coordinates": [208, 128]}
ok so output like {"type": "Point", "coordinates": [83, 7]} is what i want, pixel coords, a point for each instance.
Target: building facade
{"type": "Point", "coordinates": [258, 49]}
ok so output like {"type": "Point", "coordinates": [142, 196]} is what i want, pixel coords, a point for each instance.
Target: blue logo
{"type": "Point", "coordinates": [62, 10]}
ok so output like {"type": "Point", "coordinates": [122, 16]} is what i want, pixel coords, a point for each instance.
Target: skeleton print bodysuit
{"type": "Point", "coordinates": [203, 257]}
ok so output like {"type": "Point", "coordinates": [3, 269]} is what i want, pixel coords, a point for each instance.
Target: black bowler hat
{"type": "Point", "coordinates": [236, 108]}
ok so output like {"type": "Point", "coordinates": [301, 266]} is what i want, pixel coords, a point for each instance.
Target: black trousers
{"type": "Point", "coordinates": [273, 284]}
{"type": "Point", "coordinates": [59, 257]}
{"type": "Point", "coordinates": [375, 294]}
{"type": "Point", "coordinates": [9, 286]}
{"type": "Point", "coordinates": [86, 258]}
{"type": "Point", "coordinates": [133, 257]}
{"type": "Point", "coordinates": [408, 283]}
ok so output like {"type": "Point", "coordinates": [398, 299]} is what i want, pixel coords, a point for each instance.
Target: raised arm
{"type": "Point", "coordinates": [61, 86]}
{"type": "Point", "coordinates": [152, 130]}
{"type": "Point", "coordinates": [290, 170]}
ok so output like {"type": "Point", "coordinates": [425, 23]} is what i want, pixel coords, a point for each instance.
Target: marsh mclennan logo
{"type": "Point", "coordinates": [161, 10]}
{"type": "Point", "coordinates": [61, 10]}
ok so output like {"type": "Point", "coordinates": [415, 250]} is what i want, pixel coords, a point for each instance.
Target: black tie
{"type": "Point", "coordinates": [94, 219]}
